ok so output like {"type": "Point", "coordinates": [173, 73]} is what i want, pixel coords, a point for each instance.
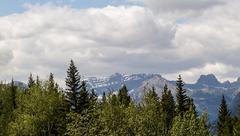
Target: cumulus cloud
{"type": "Point", "coordinates": [5, 56]}
{"type": "Point", "coordinates": [101, 41]}
{"type": "Point", "coordinates": [180, 4]}
{"type": "Point", "coordinates": [127, 39]}
{"type": "Point", "coordinates": [180, 10]}
{"type": "Point", "coordinates": [212, 40]}
{"type": "Point", "coordinates": [222, 71]}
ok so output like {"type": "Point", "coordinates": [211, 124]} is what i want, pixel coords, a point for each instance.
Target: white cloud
{"type": "Point", "coordinates": [5, 57]}
{"type": "Point", "coordinates": [127, 39]}
{"type": "Point", "coordinates": [180, 4]}
{"type": "Point", "coordinates": [222, 71]}
{"type": "Point", "coordinates": [101, 41]}
{"type": "Point", "coordinates": [211, 41]}
{"type": "Point", "coordinates": [180, 10]}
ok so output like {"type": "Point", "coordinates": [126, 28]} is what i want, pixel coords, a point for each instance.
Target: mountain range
{"type": "Point", "coordinates": [206, 92]}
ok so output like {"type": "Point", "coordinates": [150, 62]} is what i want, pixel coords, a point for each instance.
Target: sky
{"type": "Point", "coordinates": [168, 37]}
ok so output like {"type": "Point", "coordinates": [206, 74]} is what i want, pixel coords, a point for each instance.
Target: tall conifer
{"type": "Point", "coordinates": [182, 98]}
{"type": "Point", "coordinates": [31, 81]}
{"type": "Point", "coordinates": [13, 95]}
{"type": "Point", "coordinates": [224, 126]}
{"type": "Point", "coordinates": [84, 97]}
{"type": "Point", "coordinates": [52, 86]}
{"type": "Point", "coordinates": [123, 96]}
{"type": "Point", "coordinates": [73, 87]}
{"type": "Point", "coordinates": [167, 108]}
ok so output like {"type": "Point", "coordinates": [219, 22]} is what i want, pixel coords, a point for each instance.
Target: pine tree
{"type": "Point", "coordinates": [31, 81]}
{"type": "Point", "coordinates": [84, 98]}
{"type": "Point", "coordinates": [38, 83]}
{"type": "Point", "coordinates": [73, 87]}
{"type": "Point", "coordinates": [104, 98]}
{"type": "Point", "coordinates": [7, 106]}
{"type": "Point", "coordinates": [224, 126]}
{"type": "Point", "coordinates": [236, 129]}
{"type": "Point", "coordinates": [182, 98]}
{"type": "Point", "coordinates": [52, 87]}
{"type": "Point", "coordinates": [123, 96]}
{"type": "Point", "coordinates": [167, 108]}
{"type": "Point", "coordinates": [93, 97]}
{"type": "Point", "coordinates": [87, 123]}
{"type": "Point", "coordinates": [190, 103]}
{"type": "Point", "coordinates": [13, 95]}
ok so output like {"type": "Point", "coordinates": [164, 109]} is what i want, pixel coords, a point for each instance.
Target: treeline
{"type": "Point", "coordinates": [44, 109]}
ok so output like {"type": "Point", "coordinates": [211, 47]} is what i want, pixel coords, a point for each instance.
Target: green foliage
{"type": "Point", "coordinates": [190, 125]}
{"type": "Point", "coordinates": [13, 90]}
{"type": "Point", "coordinates": [236, 129]}
{"type": "Point", "coordinates": [7, 106]}
{"type": "Point", "coordinates": [47, 110]}
{"type": "Point", "coordinates": [150, 114]}
{"type": "Point", "coordinates": [113, 117]}
{"type": "Point", "coordinates": [87, 123]}
{"type": "Point", "coordinates": [39, 112]}
{"type": "Point", "coordinates": [133, 120]}
{"type": "Point", "coordinates": [123, 96]}
{"type": "Point", "coordinates": [104, 98]}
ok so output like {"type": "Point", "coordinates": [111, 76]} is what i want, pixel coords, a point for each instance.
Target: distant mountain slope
{"type": "Point", "coordinates": [19, 84]}
{"type": "Point", "coordinates": [206, 92]}
{"type": "Point", "coordinates": [115, 81]}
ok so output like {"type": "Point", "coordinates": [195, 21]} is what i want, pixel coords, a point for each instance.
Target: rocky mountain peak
{"type": "Point", "coordinates": [209, 80]}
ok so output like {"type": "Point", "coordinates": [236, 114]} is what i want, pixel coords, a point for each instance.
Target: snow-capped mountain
{"type": "Point", "coordinates": [115, 81]}
{"type": "Point", "coordinates": [206, 92]}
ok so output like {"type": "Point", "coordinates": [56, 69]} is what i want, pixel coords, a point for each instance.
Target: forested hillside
{"type": "Point", "coordinates": [44, 109]}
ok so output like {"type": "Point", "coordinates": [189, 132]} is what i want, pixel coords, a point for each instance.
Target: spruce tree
{"type": "Point", "coordinates": [84, 97]}
{"type": "Point", "coordinates": [38, 83]}
{"type": "Point", "coordinates": [13, 95]}
{"type": "Point", "coordinates": [224, 126]}
{"type": "Point", "coordinates": [52, 87]}
{"type": "Point", "coordinates": [182, 98]}
{"type": "Point", "coordinates": [167, 108]}
{"type": "Point", "coordinates": [190, 103]}
{"type": "Point", "coordinates": [31, 81]}
{"type": "Point", "coordinates": [123, 96]}
{"type": "Point", "coordinates": [236, 129]}
{"type": "Point", "coordinates": [93, 97]}
{"type": "Point", "coordinates": [73, 87]}
{"type": "Point", "coordinates": [104, 98]}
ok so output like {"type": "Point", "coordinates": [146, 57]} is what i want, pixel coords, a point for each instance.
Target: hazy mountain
{"type": "Point", "coordinates": [19, 84]}
{"type": "Point", "coordinates": [206, 92]}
